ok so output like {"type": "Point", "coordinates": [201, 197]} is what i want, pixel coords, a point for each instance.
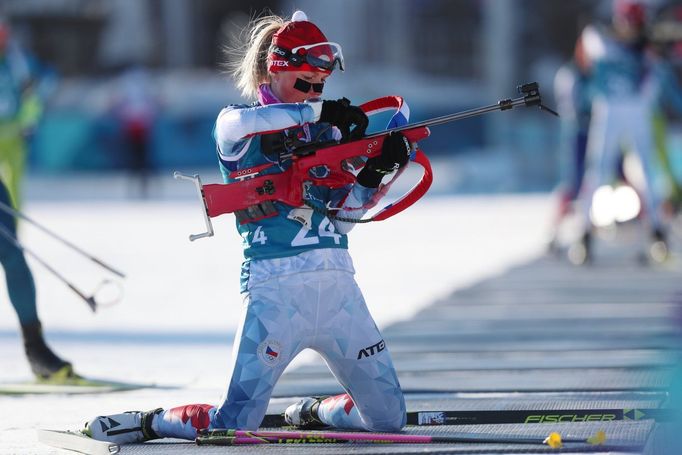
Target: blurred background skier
{"type": "Point", "coordinates": [626, 87]}
{"type": "Point", "coordinates": [667, 40]}
{"type": "Point", "coordinates": [571, 85]}
{"type": "Point", "coordinates": [45, 364]}
{"type": "Point", "coordinates": [20, 109]}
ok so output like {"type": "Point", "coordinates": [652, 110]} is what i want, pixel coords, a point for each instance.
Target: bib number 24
{"type": "Point", "coordinates": [325, 229]}
{"type": "Point", "coordinates": [303, 236]}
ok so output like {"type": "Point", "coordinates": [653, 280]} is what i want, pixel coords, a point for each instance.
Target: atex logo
{"type": "Point", "coordinates": [371, 350]}
{"type": "Point", "coordinates": [280, 63]}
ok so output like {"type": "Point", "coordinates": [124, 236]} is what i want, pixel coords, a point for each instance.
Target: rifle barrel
{"type": "Point", "coordinates": [456, 116]}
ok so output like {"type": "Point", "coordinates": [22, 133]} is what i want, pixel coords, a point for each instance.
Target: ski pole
{"type": "Point", "coordinates": [6, 208]}
{"type": "Point", "coordinates": [90, 300]}
{"type": "Point", "coordinates": [237, 437]}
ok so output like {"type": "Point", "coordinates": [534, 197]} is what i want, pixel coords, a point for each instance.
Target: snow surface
{"type": "Point", "coordinates": [181, 302]}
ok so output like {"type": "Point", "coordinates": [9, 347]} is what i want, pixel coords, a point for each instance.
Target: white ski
{"type": "Point", "coordinates": [68, 387]}
{"type": "Point", "coordinates": [76, 441]}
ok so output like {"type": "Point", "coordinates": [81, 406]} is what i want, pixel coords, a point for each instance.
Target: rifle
{"type": "Point", "coordinates": [252, 197]}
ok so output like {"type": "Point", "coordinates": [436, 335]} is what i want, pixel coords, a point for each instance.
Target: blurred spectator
{"type": "Point", "coordinates": [136, 107]}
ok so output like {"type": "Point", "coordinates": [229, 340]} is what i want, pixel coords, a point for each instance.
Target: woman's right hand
{"type": "Point", "coordinates": [343, 115]}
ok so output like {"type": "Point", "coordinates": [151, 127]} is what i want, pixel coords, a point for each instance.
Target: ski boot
{"type": "Point", "coordinates": [658, 248]}
{"type": "Point", "coordinates": [580, 253]}
{"type": "Point", "coordinates": [45, 364]}
{"type": "Point", "coordinates": [554, 249]}
{"type": "Point", "coordinates": [126, 428]}
{"type": "Point", "coordinates": [304, 414]}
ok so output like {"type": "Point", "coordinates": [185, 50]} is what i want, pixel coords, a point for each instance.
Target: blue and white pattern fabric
{"type": "Point", "coordinates": [322, 310]}
{"type": "Point", "coordinates": [299, 291]}
{"type": "Point", "coordinates": [295, 229]}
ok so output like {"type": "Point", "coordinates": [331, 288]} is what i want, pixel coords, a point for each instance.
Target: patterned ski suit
{"type": "Point", "coordinates": [298, 290]}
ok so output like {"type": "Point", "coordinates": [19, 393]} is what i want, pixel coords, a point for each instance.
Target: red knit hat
{"type": "Point", "coordinates": [301, 35]}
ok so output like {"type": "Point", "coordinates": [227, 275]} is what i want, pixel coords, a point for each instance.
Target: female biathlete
{"type": "Point", "coordinates": [297, 277]}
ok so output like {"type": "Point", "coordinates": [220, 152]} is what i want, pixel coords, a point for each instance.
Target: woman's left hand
{"type": "Point", "coordinates": [343, 115]}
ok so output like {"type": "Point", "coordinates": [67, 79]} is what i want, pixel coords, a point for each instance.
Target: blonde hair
{"type": "Point", "coordinates": [249, 62]}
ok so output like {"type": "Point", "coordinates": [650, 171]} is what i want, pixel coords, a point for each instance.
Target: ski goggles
{"type": "Point", "coordinates": [325, 56]}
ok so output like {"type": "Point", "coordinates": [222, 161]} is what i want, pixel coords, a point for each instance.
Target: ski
{"type": "Point", "coordinates": [68, 386]}
{"type": "Point", "coordinates": [535, 416]}
{"type": "Point", "coordinates": [77, 442]}
{"type": "Point", "coordinates": [240, 437]}
{"type": "Point", "coordinates": [468, 417]}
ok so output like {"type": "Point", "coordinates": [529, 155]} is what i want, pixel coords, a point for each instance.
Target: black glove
{"type": "Point", "coordinates": [395, 153]}
{"type": "Point", "coordinates": [342, 114]}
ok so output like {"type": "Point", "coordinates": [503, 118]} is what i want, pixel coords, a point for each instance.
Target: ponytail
{"type": "Point", "coordinates": [248, 63]}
